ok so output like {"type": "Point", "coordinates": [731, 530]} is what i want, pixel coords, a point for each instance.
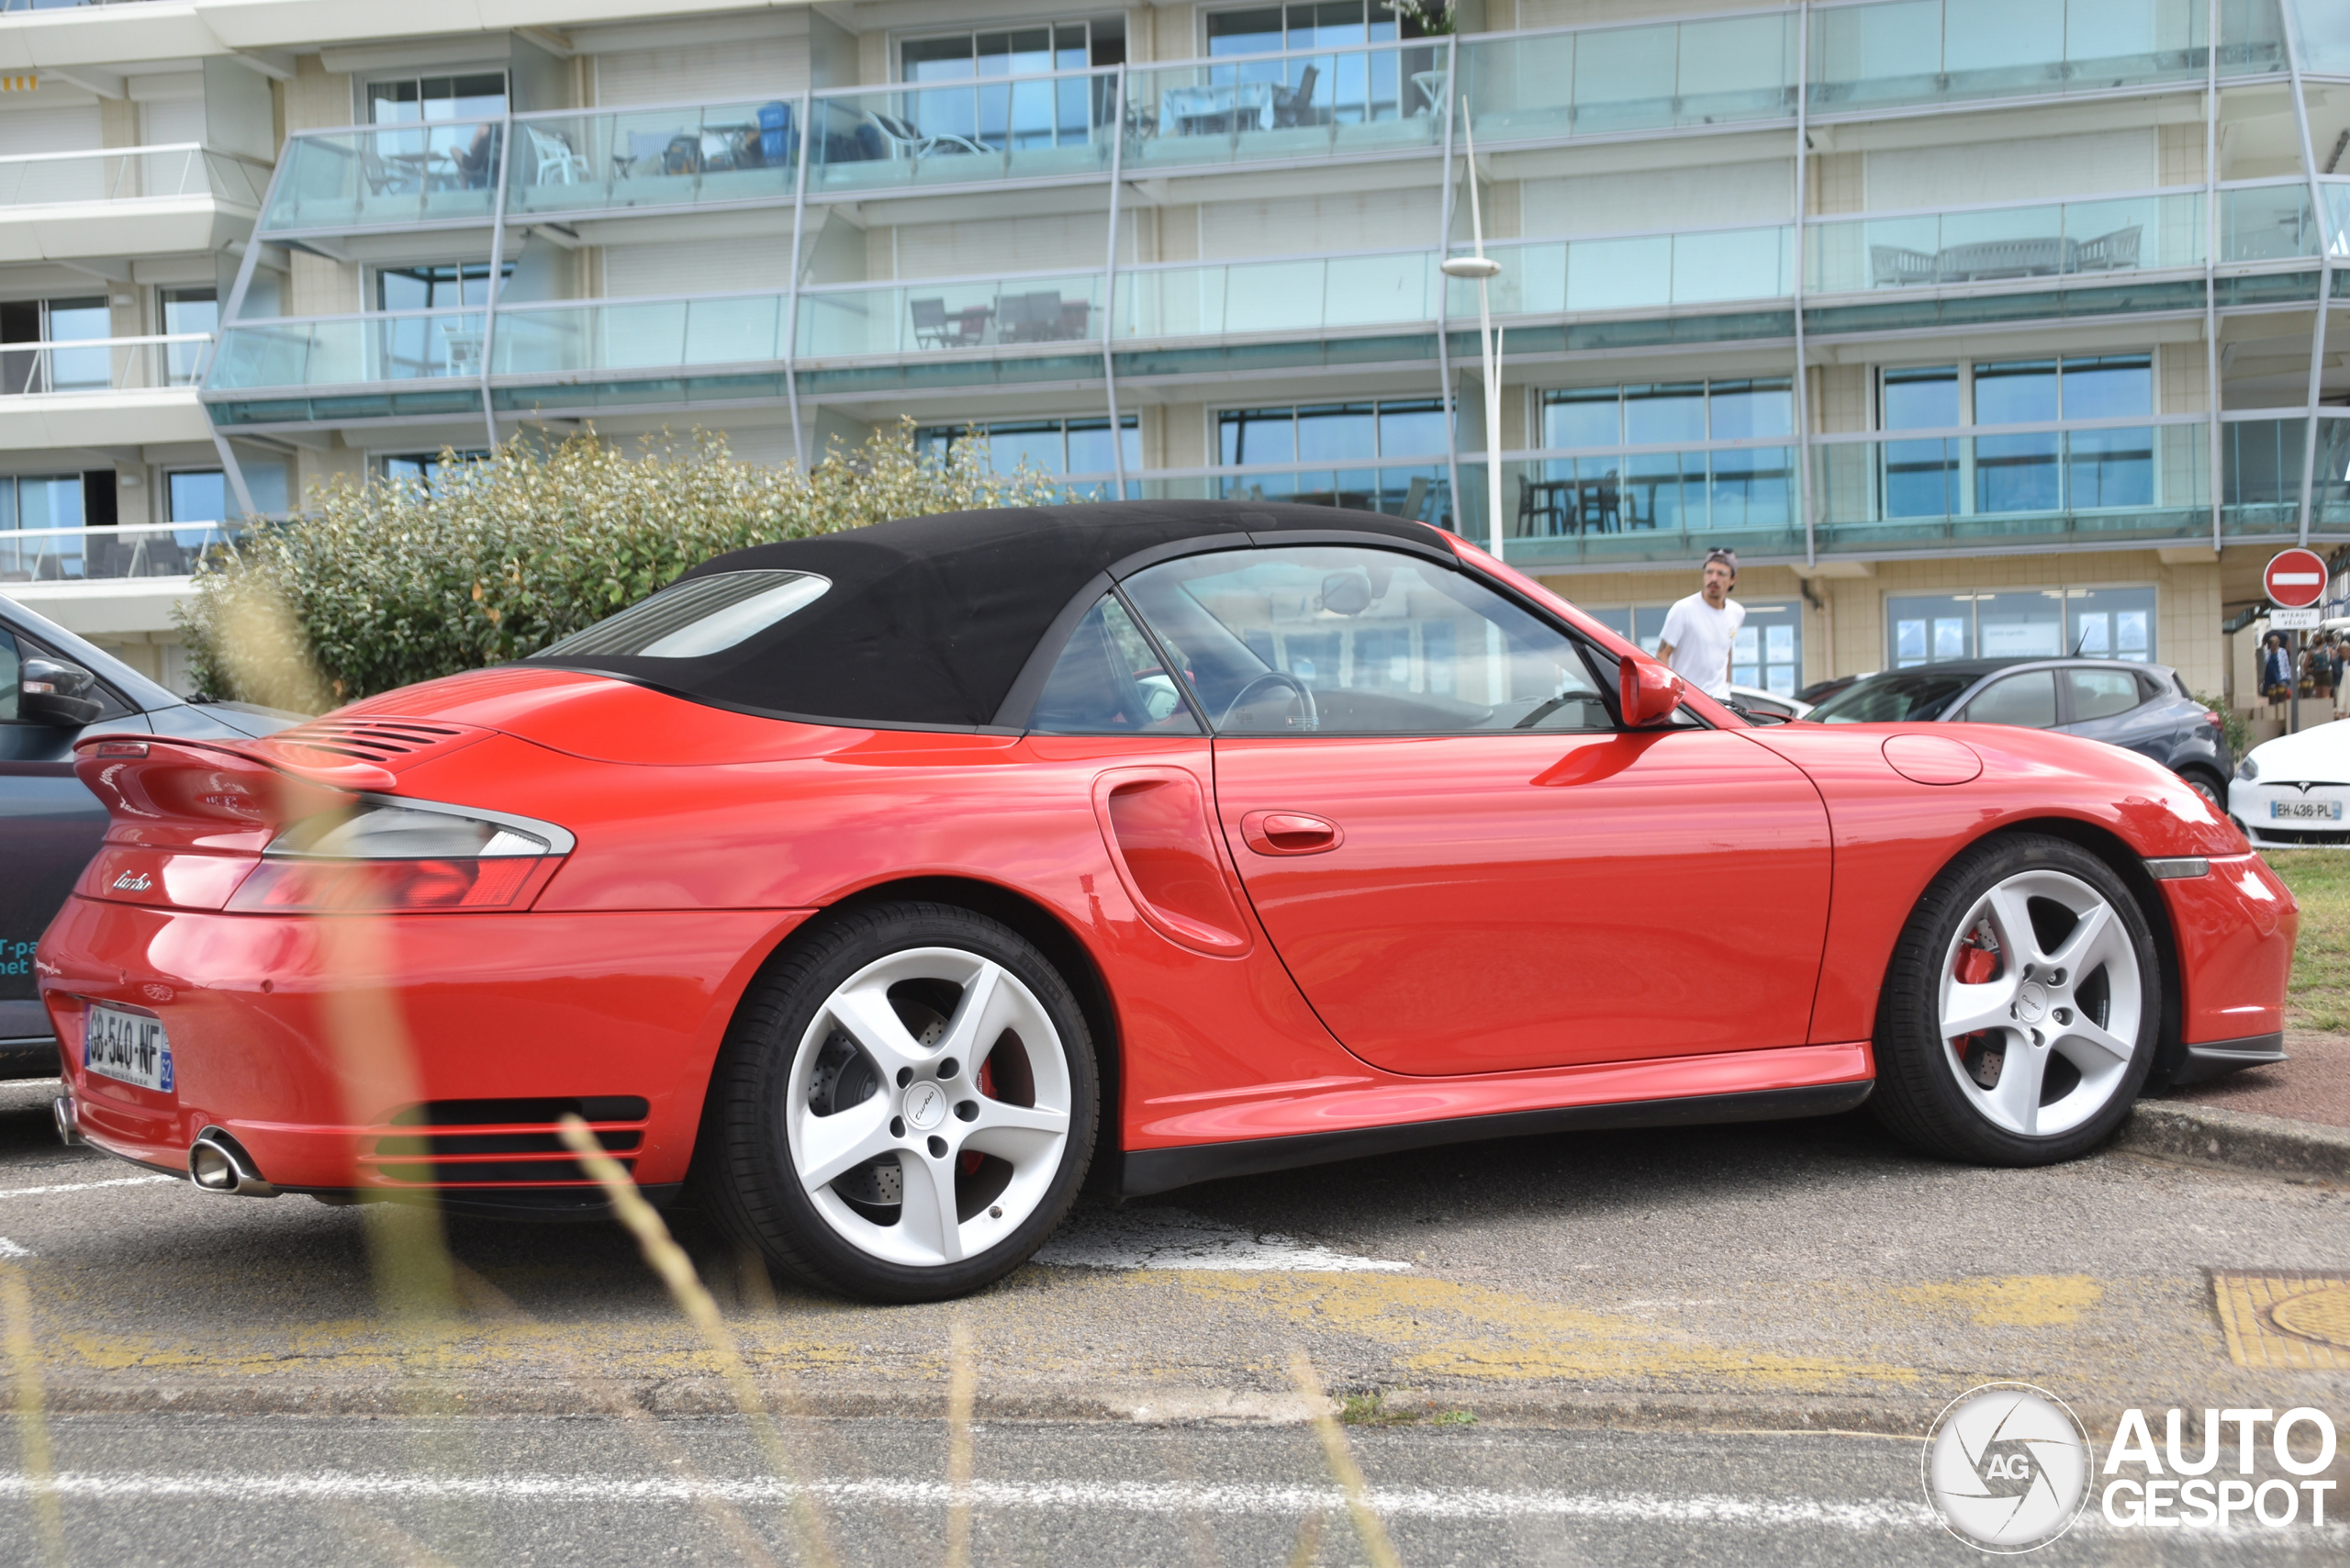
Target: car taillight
{"type": "Point", "coordinates": [394, 856]}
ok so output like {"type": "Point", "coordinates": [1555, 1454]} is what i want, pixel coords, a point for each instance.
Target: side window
{"type": "Point", "coordinates": [2102, 693]}
{"type": "Point", "coordinates": [2028, 700]}
{"type": "Point", "coordinates": [10, 664]}
{"type": "Point", "coordinates": [1108, 681]}
{"type": "Point", "coordinates": [1361, 642]}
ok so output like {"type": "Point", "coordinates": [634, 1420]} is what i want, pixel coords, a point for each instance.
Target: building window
{"type": "Point", "coordinates": [1346, 455]}
{"type": "Point", "coordinates": [1767, 655]}
{"type": "Point", "coordinates": [30, 501]}
{"type": "Point", "coordinates": [2021, 623]}
{"type": "Point", "coordinates": [2034, 471]}
{"type": "Point", "coordinates": [423, 469]}
{"type": "Point", "coordinates": [70, 320]}
{"type": "Point", "coordinates": [196, 495]}
{"type": "Point", "coordinates": [1708, 489]}
{"type": "Point", "coordinates": [1026, 114]}
{"type": "Point", "coordinates": [186, 312]}
{"type": "Point", "coordinates": [450, 286]}
{"type": "Point", "coordinates": [416, 100]}
{"type": "Point", "coordinates": [1063, 448]}
{"type": "Point", "coordinates": [1316, 24]}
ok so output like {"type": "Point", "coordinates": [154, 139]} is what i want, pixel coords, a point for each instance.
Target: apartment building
{"type": "Point", "coordinates": [1976, 326]}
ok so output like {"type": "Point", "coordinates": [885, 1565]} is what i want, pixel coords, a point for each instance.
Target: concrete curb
{"type": "Point", "coordinates": [2191, 1133]}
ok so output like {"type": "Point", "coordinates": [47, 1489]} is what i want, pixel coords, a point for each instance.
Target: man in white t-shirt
{"type": "Point", "coordinates": [1700, 630]}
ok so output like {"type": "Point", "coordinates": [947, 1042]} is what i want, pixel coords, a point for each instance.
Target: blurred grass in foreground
{"type": "Point", "coordinates": [2319, 998]}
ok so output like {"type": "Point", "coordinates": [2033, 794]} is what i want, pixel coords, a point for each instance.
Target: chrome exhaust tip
{"type": "Point", "coordinates": [69, 1125]}
{"type": "Point", "coordinates": [218, 1164]}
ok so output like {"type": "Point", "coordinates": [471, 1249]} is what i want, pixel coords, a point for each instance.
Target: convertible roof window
{"type": "Point", "coordinates": [697, 616]}
{"type": "Point", "coordinates": [1107, 681]}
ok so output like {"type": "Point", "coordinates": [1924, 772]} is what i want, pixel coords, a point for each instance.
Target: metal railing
{"type": "Point", "coordinates": [170, 170]}
{"type": "Point", "coordinates": [102, 364]}
{"type": "Point", "coordinates": [98, 554]}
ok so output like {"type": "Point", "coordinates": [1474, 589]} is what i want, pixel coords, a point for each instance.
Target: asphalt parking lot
{"type": "Point", "coordinates": [1619, 1331]}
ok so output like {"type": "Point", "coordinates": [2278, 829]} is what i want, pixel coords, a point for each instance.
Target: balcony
{"type": "Point", "coordinates": [1626, 80]}
{"type": "Point", "coordinates": [1284, 296]}
{"type": "Point", "coordinates": [1921, 53]}
{"type": "Point", "coordinates": [1241, 110]}
{"type": "Point", "coordinates": [409, 177]}
{"type": "Point", "coordinates": [102, 392]}
{"type": "Point", "coordinates": [871, 140]}
{"type": "Point", "coordinates": [126, 201]}
{"type": "Point", "coordinates": [583, 163]}
{"type": "Point", "coordinates": [110, 554]}
{"type": "Point", "coordinates": [1636, 272]}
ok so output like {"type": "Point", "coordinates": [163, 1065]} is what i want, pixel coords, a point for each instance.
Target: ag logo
{"type": "Point", "coordinates": [2006, 1467]}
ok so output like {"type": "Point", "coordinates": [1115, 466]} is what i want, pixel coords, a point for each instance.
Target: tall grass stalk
{"type": "Point", "coordinates": [1340, 1458]}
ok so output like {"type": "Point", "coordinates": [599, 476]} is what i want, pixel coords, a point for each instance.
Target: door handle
{"type": "Point", "coordinates": [1289, 832]}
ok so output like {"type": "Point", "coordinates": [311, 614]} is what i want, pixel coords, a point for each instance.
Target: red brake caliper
{"type": "Point", "coordinates": [1977, 962]}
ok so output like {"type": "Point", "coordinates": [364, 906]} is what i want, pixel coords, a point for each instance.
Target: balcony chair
{"type": "Point", "coordinates": [1892, 266]}
{"type": "Point", "coordinates": [906, 141]}
{"type": "Point", "coordinates": [935, 328]}
{"type": "Point", "coordinates": [1294, 105]}
{"type": "Point", "coordinates": [2116, 252]}
{"type": "Point", "coordinates": [1537, 501]}
{"type": "Point", "coordinates": [1993, 259]}
{"type": "Point", "coordinates": [557, 165]}
{"type": "Point", "coordinates": [1077, 316]}
{"type": "Point", "coordinates": [1599, 505]}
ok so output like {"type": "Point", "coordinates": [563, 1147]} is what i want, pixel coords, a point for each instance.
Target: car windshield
{"type": "Point", "coordinates": [1893, 697]}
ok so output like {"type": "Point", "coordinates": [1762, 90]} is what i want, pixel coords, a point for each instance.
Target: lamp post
{"type": "Point", "coordinates": [1484, 270]}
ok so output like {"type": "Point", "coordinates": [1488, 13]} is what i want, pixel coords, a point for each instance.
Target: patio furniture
{"type": "Point", "coordinates": [935, 328]}
{"type": "Point", "coordinates": [556, 163]}
{"type": "Point", "coordinates": [464, 342]}
{"type": "Point", "coordinates": [2109, 252]}
{"type": "Point", "coordinates": [1294, 105]}
{"type": "Point", "coordinates": [775, 134]}
{"type": "Point", "coordinates": [1538, 500]}
{"type": "Point", "coordinates": [1430, 85]}
{"type": "Point", "coordinates": [1076, 315]}
{"type": "Point", "coordinates": [1993, 259]}
{"type": "Point", "coordinates": [1894, 266]}
{"type": "Point", "coordinates": [1033, 318]}
{"type": "Point", "coordinates": [1216, 110]}
{"type": "Point", "coordinates": [906, 140]}
{"type": "Point", "coordinates": [1598, 505]}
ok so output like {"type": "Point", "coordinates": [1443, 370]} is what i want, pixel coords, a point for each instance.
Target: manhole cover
{"type": "Point", "coordinates": [2285, 1318]}
{"type": "Point", "coordinates": [2323, 1314]}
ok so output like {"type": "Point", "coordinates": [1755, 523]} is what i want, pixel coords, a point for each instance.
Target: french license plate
{"type": "Point", "coordinates": [2305, 811]}
{"type": "Point", "coordinates": [129, 1047]}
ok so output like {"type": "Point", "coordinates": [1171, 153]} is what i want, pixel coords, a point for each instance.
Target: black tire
{"type": "Point", "coordinates": [744, 1168]}
{"type": "Point", "coordinates": [1919, 1097]}
{"type": "Point", "coordinates": [2209, 785]}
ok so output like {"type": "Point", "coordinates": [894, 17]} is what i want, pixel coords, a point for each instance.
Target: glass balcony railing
{"type": "Point", "coordinates": [2118, 234]}
{"type": "Point", "coordinates": [1317, 103]}
{"type": "Point", "coordinates": [1420, 488]}
{"type": "Point", "coordinates": [2268, 223]}
{"type": "Point", "coordinates": [640, 335]}
{"type": "Point", "coordinates": [2148, 480]}
{"type": "Point", "coordinates": [2260, 472]}
{"type": "Point", "coordinates": [1900, 52]}
{"type": "Point", "coordinates": [85, 555]}
{"type": "Point", "coordinates": [922, 317]}
{"type": "Point", "coordinates": [1634, 272]}
{"type": "Point", "coordinates": [614, 159]}
{"type": "Point", "coordinates": [1595, 80]}
{"type": "Point", "coordinates": [351, 351]}
{"type": "Point", "coordinates": [374, 176]}
{"type": "Point", "coordinates": [131, 173]}
{"type": "Point", "coordinates": [101, 364]}
{"type": "Point", "coordinates": [1561, 509]}
{"type": "Point", "coordinates": [1293, 295]}
{"type": "Point", "coordinates": [957, 133]}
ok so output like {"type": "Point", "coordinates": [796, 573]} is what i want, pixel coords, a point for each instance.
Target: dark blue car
{"type": "Point", "coordinates": [54, 686]}
{"type": "Point", "coordinates": [2143, 707]}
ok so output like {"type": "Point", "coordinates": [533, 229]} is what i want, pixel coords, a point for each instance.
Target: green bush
{"type": "Point", "coordinates": [2232, 724]}
{"type": "Point", "coordinates": [379, 584]}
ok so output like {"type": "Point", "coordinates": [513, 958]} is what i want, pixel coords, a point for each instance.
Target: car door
{"type": "Point", "coordinates": [2110, 705]}
{"type": "Point", "coordinates": [49, 827]}
{"type": "Point", "coordinates": [1465, 863]}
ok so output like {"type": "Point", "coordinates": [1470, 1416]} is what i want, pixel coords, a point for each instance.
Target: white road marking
{"type": "Point", "coordinates": [14, 1249]}
{"type": "Point", "coordinates": [1123, 1496]}
{"type": "Point", "coordinates": [1171, 1239]}
{"type": "Point", "coordinates": [81, 1186]}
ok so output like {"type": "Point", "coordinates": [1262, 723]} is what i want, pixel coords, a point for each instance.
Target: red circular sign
{"type": "Point", "coordinates": [2295, 578]}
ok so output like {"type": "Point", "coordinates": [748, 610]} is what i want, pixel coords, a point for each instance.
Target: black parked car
{"type": "Point", "coordinates": [2143, 707]}
{"type": "Point", "coordinates": [53, 687]}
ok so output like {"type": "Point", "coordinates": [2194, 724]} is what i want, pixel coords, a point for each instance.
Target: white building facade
{"type": "Point", "coordinates": [1976, 326]}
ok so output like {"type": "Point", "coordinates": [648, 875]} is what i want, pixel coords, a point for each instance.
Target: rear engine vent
{"type": "Point", "coordinates": [506, 1143]}
{"type": "Point", "coordinates": [369, 740]}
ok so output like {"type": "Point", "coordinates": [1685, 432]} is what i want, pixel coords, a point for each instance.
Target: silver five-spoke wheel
{"type": "Point", "coordinates": [2040, 1002]}
{"type": "Point", "coordinates": [928, 1107]}
{"type": "Point", "coordinates": [2022, 1005]}
{"type": "Point", "coordinates": [905, 1105]}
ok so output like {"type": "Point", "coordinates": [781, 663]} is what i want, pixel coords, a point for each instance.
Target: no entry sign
{"type": "Point", "coordinates": [2295, 578]}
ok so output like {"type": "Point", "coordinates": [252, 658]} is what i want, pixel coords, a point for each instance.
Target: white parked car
{"type": "Point", "coordinates": [2295, 790]}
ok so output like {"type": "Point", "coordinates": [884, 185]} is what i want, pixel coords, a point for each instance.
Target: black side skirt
{"type": "Point", "coordinates": [2202, 1062]}
{"type": "Point", "coordinates": [1159, 1170]}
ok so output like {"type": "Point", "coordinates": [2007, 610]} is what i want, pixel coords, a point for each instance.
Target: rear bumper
{"type": "Point", "coordinates": [304, 1037]}
{"type": "Point", "coordinates": [2235, 926]}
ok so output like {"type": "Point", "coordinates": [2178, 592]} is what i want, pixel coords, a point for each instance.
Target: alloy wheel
{"type": "Point", "coordinates": [2039, 1003]}
{"type": "Point", "coordinates": [927, 1110]}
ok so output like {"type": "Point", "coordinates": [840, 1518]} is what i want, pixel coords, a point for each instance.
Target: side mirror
{"type": "Point", "coordinates": [1645, 690]}
{"type": "Point", "coordinates": [50, 692]}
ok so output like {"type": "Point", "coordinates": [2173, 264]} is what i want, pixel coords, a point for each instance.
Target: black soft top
{"type": "Point", "coordinates": [930, 619]}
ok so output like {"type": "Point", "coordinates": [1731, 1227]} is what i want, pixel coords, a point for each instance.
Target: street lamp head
{"type": "Point", "coordinates": [1472, 266]}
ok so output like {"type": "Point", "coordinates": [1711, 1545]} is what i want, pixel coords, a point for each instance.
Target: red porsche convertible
{"type": "Point", "coordinates": [887, 883]}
